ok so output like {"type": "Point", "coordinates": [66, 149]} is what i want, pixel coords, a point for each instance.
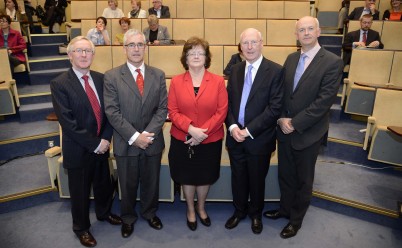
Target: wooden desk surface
{"type": "Point", "coordinates": [396, 130]}
{"type": "Point", "coordinates": [379, 86]}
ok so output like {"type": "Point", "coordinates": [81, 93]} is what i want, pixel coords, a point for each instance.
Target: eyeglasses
{"type": "Point", "coordinates": [133, 45]}
{"type": "Point", "coordinates": [3, 21]}
{"type": "Point", "coordinates": [194, 54]}
{"type": "Point", "coordinates": [81, 51]}
{"type": "Point", "coordinates": [253, 43]}
{"type": "Point", "coordinates": [366, 23]}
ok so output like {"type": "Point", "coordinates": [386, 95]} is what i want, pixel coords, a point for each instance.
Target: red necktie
{"type": "Point", "coordinates": [364, 37]}
{"type": "Point", "coordinates": [140, 81]}
{"type": "Point", "coordinates": [94, 103]}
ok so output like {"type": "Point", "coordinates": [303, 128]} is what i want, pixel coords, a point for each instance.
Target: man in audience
{"type": "Point", "coordinates": [368, 8]}
{"type": "Point", "coordinates": [311, 81]}
{"type": "Point", "coordinates": [77, 97]}
{"type": "Point", "coordinates": [136, 106]}
{"type": "Point", "coordinates": [362, 38]}
{"type": "Point", "coordinates": [255, 100]}
{"type": "Point", "coordinates": [159, 10]}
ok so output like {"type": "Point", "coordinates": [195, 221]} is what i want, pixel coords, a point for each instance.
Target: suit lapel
{"type": "Point", "coordinates": [311, 67]}
{"type": "Point", "coordinates": [259, 78]}
{"type": "Point", "coordinates": [148, 81]}
{"type": "Point", "coordinates": [128, 79]}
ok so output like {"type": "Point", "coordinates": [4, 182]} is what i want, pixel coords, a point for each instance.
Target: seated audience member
{"type": "Point", "coordinates": [55, 13]}
{"type": "Point", "coordinates": [136, 11]}
{"type": "Point", "coordinates": [159, 10]}
{"type": "Point", "coordinates": [368, 8]}
{"type": "Point", "coordinates": [12, 9]}
{"type": "Point", "coordinates": [343, 15]}
{"type": "Point", "coordinates": [29, 11]}
{"type": "Point", "coordinates": [12, 40]}
{"type": "Point", "coordinates": [99, 35]}
{"type": "Point", "coordinates": [364, 37]}
{"type": "Point", "coordinates": [125, 25]}
{"type": "Point", "coordinates": [395, 13]}
{"type": "Point", "coordinates": [112, 11]}
{"type": "Point", "coordinates": [156, 34]}
{"type": "Point", "coordinates": [236, 58]}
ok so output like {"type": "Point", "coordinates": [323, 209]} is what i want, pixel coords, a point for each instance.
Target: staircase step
{"type": "Point", "coordinates": [51, 49]}
{"type": "Point", "coordinates": [330, 39]}
{"type": "Point", "coordinates": [29, 94]}
{"type": "Point", "coordinates": [337, 50]}
{"type": "Point", "coordinates": [48, 38]}
{"type": "Point", "coordinates": [49, 62]}
{"type": "Point", "coordinates": [45, 76]}
{"type": "Point", "coordinates": [35, 111]}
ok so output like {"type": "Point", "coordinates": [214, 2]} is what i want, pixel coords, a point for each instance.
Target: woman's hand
{"type": "Point", "coordinates": [197, 134]}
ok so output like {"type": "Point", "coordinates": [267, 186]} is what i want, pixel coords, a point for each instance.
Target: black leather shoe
{"type": "Point", "coordinates": [232, 222]}
{"type": "Point", "coordinates": [113, 219]}
{"type": "Point", "coordinates": [192, 225]}
{"type": "Point", "coordinates": [155, 223]}
{"type": "Point", "coordinates": [256, 226]}
{"type": "Point", "coordinates": [206, 221]}
{"type": "Point", "coordinates": [127, 230]}
{"type": "Point", "coordinates": [273, 214]}
{"type": "Point", "coordinates": [289, 231]}
{"type": "Point", "coordinates": [87, 239]}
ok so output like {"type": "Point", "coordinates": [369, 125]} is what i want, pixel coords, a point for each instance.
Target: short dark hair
{"type": "Point", "coordinates": [124, 19]}
{"type": "Point", "coordinates": [7, 17]}
{"type": "Point", "coordinates": [103, 19]}
{"type": "Point", "coordinates": [190, 44]}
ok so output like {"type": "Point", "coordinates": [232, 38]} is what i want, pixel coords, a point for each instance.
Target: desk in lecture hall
{"type": "Point", "coordinates": [396, 130]}
{"type": "Point", "coordinates": [379, 86]}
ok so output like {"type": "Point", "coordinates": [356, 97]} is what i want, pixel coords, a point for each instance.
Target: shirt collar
{"type": "Point", "coordinates": [256, 63]}
{"type": "Point", "coordinates": [312, 52]}
{"type": "Point", "coordinates": [133, 68]}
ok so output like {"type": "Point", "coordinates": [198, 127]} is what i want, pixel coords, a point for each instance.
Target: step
{"type": "Point", "coordinates": [45, 76]}
{"type": "Point", "coordinates": [330, 39]}
{"type": "Point", "coordinates": [48, 38]}
{"type": "Point", "coordinates": [35, 111]}
{"type": "Point", "coordinates": [51, 49]}
{"type": "Point", "coordinates": [49, 62]}
{"type": "Point", "coordinates": [337, 50]}
{"type": "Point", "coordinates": [29, 94]}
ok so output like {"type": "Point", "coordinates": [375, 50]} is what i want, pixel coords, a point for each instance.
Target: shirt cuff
{"type": "Point", "coordinates": [249, 134]}
{"type": "Point", "coordinates": [97, 148]}
{"type": "Point", "coordinates": [231, 128]}
{"type": "Point", "coordinates": [133, 138]}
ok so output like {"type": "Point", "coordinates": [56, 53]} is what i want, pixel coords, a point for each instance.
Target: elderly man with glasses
{"type": "Point", "coordinates": [159, 10]}
{"type": "Point", "coordinates": [368, 8]}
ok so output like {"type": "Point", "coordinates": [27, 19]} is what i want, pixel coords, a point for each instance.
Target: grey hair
{"type": "Point", "coordinates": [133, 32]}
{"type": "Point", "coordinates": [259, 33]}
{"type": "Point", "coordinates": [70, 46]}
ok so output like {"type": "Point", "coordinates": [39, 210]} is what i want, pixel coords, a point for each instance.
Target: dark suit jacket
{"type": "Point", "coordinates": [77, 118]}
{"type": "Point", "coordinates": [165, 13]}
{"type": "Point", "coordinates": [354, 36]}
{"type": "Point", "coordinates": [262, 108]}
{"type": "Point", "coordinates": [309, 104]}
{"type": "Point", "coordinates": [128, 112]}
{"type": "Point", "coordinates": [357, 12]}
{"type": "Point", "coordinates": [233, 60]}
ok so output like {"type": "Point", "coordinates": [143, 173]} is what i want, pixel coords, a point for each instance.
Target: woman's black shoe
{"type": "Point", "coordinates": [192, 225]}
{"type": "Point", "coordinates": [206, 221]}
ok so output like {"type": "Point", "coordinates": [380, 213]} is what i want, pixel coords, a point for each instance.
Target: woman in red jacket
{"type": "Point", "coordinates": [197, 105]}
{"type": "Point", "coordinates": [13, 41]}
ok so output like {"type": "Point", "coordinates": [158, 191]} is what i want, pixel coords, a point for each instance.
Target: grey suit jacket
{"type": "Point", "coordinates": [308, 105]}
{"type": "Point", "coordinates": [163, 35]}
{"type": "Point", "coordinates": [128, 112]}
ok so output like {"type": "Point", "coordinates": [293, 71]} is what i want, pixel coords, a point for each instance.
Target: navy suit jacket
{"type": "Point", "coordinates": [357, 12]}
{"type": "Point", "coordinates": [308, 105]}
{"type": "Point", "coordinates": [354, 36]}
{"type": "Point", "coordinates": [77, 119]}
{"type": "Point", "coordinates": [262, 108]}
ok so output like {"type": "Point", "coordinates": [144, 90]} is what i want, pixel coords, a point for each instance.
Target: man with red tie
{"type": "Point", "coordinates": [77, 97]}
{"type": "Point", "coordinates": [362, 38]}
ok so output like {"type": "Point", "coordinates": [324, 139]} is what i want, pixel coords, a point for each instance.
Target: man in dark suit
{"type": "Point", "coordinates": [364, 37]}
{"type": "Point", "coordinates": [311, 82]}
{"type": "Point", "coordinates": [136, 106]}
{"type": "Point", "coordinates": [78, 102]}
{"type": "Point", "coordinates": [255, 95]}
{"type": "Point", "coordinates": [368, 8]}
{"type": "Point", "coordinates": [159, 10]}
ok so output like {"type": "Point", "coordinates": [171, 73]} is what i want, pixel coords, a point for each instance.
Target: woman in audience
{"type": "Point", "coordinates": [99, 35]}
{"type": "Point", "coordinates": [124, 25]}
{"type": "Point", "coordinates": [136, 11]}
{"type": "Point", "coordinates": [12, 40]}
{"type": "Point", "coordinates": [156, 34]}
{"type": "Point", "coordinates": [112, 11]}
{"type": "Point", "coordinates": [197, 105]}
{"type": "Point", "coordinates": [236, 58]}
{"type": "Point", "coordinates": [343, 15]}
{"type": "Point", "coordinates": [395, 13]}
{"type": "Point", "coordinates": [12, 9]}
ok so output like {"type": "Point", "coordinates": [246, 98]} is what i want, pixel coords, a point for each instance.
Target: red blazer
{"type": "Point", "coordinates": [15, 43]}
{"type": "Point", "coordinates": [206, 110]}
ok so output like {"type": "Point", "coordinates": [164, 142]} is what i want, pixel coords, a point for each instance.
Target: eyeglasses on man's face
{"type": "Point", "coordinates": [133, 45]}
{"type": "Point", "coordinates": [253, 43]}
{"type": "Point", "coordinates": [81, 51]}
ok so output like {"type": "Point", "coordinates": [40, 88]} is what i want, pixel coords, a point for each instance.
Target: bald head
{"type": "Point", "coordinates": [251, 44]}
{"type": "Point", "coordinates": [307, 32]}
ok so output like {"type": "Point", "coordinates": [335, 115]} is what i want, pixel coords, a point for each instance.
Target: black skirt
{"type": "Point", "coordinates": [201, 169]}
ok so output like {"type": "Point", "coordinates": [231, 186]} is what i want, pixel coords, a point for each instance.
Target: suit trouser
{"type": "Point", "coordinates": [296, 176]}
{"type": "Point", "coordinates": [248, 181]}
{"type": "Point", "coordinates": [132, 170]}
{"type": "Point", "coordinates": [95, 173]}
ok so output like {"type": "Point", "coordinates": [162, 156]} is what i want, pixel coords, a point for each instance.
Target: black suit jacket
{"type": "Point", "coordinates": [354, 36]}
{"type": "Point", "coordinates": [165, 13]}
{"type": "Point", "coordinates": [357, 12]}
{"type": "Point", "coordinates": [308, 105]}
{"type": "Point", "coordinates": [262, 108]}
{"type": "Point", "coordinates": [77, 119]}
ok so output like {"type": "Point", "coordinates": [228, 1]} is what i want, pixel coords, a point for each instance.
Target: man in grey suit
{"type": "Point", "coordinates": [136, 106]}
{"type": "Point", "coordinates": [156, 34]}
{"type": "Point", "coordinates": [311, 82]}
